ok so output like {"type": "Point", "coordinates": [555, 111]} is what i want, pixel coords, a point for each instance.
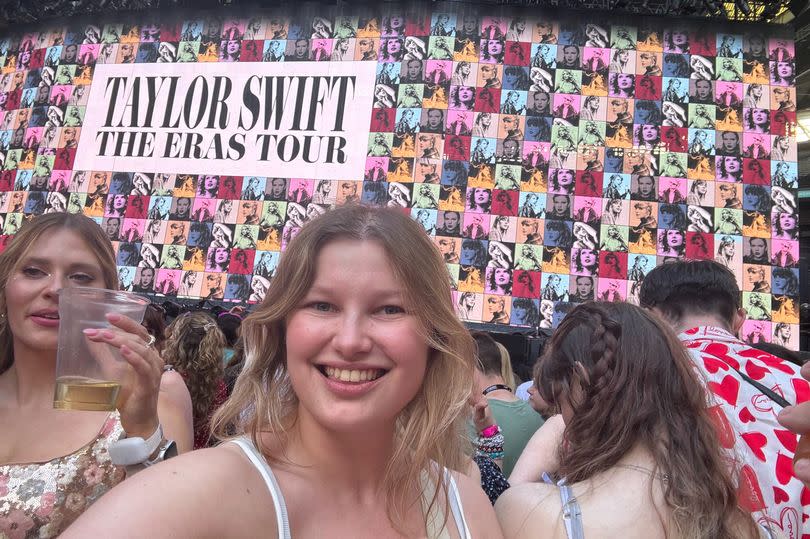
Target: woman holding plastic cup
{"type": "Point", "coordinates": [55, 463]}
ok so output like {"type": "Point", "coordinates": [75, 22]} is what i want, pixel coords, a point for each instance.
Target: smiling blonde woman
{"type": "Point", "coordinates": [349, 413]}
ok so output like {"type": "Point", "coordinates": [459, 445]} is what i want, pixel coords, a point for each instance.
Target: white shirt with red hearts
{"type": "Point", "coordinates": [746, 424]}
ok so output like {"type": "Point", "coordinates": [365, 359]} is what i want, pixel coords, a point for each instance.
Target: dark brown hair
{"type": "Point", "coordinates": [155, 324]}
{"type": "Point", "coordinates": [691, 287]}
{"type": "Point", "coordinates": [489, 357]}
{"type": "Point", "coordinates": [633, 383]}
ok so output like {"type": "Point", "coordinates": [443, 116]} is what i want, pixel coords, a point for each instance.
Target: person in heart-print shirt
{"type": "Point", "coordinates": [797, 419]}
{"type": "Point", "coordinates": [701, 299]}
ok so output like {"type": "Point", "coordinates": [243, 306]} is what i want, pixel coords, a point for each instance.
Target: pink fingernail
{"type": "Point", "coordinates": [113, 317]}
{"type": "Point", "coordinates": [90, 332]}
{"type": "Point", "coordinates": [107, 334]}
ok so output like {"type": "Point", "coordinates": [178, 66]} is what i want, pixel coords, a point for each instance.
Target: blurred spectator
{"type": "Point", "coordinates": [635, 453]}
{"type": "Point", "coordinates": [516, 418]}
{"type": "Point", "coordinates": [701, 300]}
{"type": "Point", "coordinates": [194, 348]}
{"type": "Point", "coordinates": [229, 322]}
{"type": "Point", "coordinates": [154, 322]}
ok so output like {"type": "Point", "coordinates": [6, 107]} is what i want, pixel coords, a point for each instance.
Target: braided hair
{"type": "Point", "coordinates": [628, 382]}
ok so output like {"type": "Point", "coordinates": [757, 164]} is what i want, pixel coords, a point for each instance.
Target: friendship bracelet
{"type": "Point", "coordinates": [490, 443]}
{"type": "Point", "coordinates": [495, 455]}
{"type": "Point", "coordinates": [495, 441]}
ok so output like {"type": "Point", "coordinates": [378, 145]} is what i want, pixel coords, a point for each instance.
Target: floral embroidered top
{"type": "Point", "coordinates": [42, 499]}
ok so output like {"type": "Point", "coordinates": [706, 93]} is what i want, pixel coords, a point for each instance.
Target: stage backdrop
{"type": "Point", "coordinates": [552, 160]}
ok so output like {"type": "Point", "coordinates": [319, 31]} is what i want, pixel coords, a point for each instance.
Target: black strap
{"type": "Point", "coordinates": [495, 387]}
{"type": "Point", "coordinates": [765, 391]}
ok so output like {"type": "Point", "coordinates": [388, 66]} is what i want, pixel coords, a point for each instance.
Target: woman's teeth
{"type": "Point", "coordinates": [354, 375]}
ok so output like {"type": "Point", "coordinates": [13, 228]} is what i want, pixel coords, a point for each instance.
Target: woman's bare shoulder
{"type": "Point", "coordinates": [523, 509]}
{"type": "Point", "coordinates": [477, 508]}
{"type": "Point", "coordinates": [210, 492]}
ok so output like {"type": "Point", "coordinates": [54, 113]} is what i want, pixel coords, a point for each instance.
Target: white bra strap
{"type": "Point", "coordinates": [282, 520]}
{"type": "Point", "coordinates": [457, 509]}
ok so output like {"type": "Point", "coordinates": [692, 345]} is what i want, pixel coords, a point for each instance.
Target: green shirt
{"type": "Point", "coordinates": [518, 422]}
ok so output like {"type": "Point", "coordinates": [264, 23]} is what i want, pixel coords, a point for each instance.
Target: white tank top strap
{"type": "Point", "coordinates": [258, 461]}
{"type": "Point", "coordinates": [456, 508]}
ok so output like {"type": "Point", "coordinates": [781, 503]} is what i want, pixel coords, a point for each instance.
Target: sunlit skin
{"type": "Point", "coordinates": [354, 316]}
{"type": "Point", "coordinates": [58, 259]}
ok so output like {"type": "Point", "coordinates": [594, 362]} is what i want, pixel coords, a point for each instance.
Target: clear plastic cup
{"type": "Point", "coordinates": [89, 374]}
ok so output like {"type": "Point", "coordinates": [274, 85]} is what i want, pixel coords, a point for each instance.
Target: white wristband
{"type": "Point", "coordinates": [130, 451]}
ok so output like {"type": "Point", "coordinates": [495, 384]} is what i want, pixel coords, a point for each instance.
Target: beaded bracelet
{"type": "Point", "coordinates": [493, 454]}
{"type": "Point", "coordinates": [490, 443]}
{"type": "Point", "coordinates": [496, 441]}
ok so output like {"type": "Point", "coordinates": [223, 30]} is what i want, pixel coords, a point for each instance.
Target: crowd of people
{"type": "Point", "coordinates": [353, 402]}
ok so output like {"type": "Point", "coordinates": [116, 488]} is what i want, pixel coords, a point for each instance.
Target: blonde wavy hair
{"type": "Point", "coordinates": [195, 348]}
{"type": "Point", "coordinates": [430, 429]}
{"type": "Point", "coordinates": [23, 242]}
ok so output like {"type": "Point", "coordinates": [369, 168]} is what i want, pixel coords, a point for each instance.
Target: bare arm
{"type": "Point", "coordinates": [477, 510]}
{"type": "Point", "coordinates": [524, 510]}
{"type": "Point", "coordinates": [540, 454]}
{"type": "Point", "coordinates": [175, 411]}
{"type": "Point", "coordinates": [202, 494]}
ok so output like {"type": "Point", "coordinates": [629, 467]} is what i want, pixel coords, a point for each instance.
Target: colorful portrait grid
{"type": "Point", "coordinates": [553, 161]}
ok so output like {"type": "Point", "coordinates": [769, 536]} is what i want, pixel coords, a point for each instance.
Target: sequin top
{"type": "Point", "coordinates": [42, 499]}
